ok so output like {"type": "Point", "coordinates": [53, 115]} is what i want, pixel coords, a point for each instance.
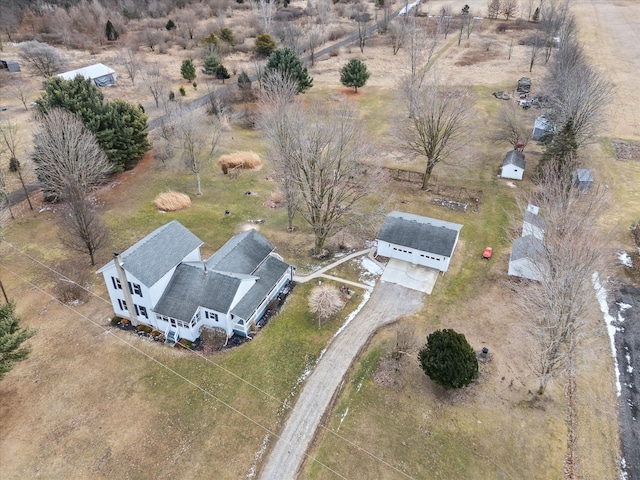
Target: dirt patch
{"type": "Point", "coordinates": [387, 373]}
{"type": "Point", "coordinates": [626, 151]}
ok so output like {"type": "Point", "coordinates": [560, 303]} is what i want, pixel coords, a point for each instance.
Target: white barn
{"type": "Point", "coordinates": [418, 240]}
{"type": "Point", "coordinates": [101, 75]}
{"type": "Point", "coordinates": [513, 165]}
{"type": "Point", "coordinates": [168, 287]}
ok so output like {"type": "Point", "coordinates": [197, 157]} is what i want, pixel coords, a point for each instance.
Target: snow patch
{"type": "Point", "coordinates": [258, 455]}
{"type": "Point", "coordinates": [370, 266]}
{"type": "Point", "coordinates": [601, 295]}
{"type": "Point", "coordinates": [365, 298]}
{"type": "Point", "coordinates": [623, 468]}
{"type": "Point", "coordinates": [342, 419]}
{"type": "Point", "coordinates": [625, 259]}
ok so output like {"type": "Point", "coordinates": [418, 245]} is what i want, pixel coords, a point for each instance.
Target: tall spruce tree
{"type": "Point", "coordinates": [188, 70]}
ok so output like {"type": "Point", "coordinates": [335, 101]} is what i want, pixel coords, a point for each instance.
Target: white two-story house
{"type": "Point", "coordinates": [161, 281]}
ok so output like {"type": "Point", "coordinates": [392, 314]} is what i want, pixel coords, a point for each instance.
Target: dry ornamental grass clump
{"type": "Point", "coordinates": [172, 201]}
{"type": "Point", "coordinates": [244, 160]}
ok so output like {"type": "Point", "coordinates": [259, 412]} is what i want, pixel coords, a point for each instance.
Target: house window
{"type": "Point", "coordinates": [136, 308]}
{"type": "Point", "coordinates": [136, 289]}
{"type": "Point", "coordinates": [143, 311]}
{"type": "Point", "coordinates": [123, 305]}
{"type": "Point", "coordinates": [211, 315]}
{"type": "Point", "coordinates": [116, 283]}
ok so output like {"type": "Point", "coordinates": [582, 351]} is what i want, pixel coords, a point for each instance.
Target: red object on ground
{"type": "Point", "coordinates": [487, 253]}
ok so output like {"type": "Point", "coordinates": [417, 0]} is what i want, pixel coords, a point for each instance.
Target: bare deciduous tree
{"type": "Point", "coordinates": [66, 151]}
{"type": "Point", "coordinates": [513, 127]}
{"type": "Point", "coordinates": [278, 119]}
{"type": "Point", "coordinates": [362, 20]}
{"type": "Point", "coordinates": [577, 91]}
{"type": "Point", "coordinates": [157, 85]}
{"type": "Point", "coordinates": [4, 190]}
{"type": "Point", "coordinates": [10, 140]}
{"type": "Point", "coordinates": [398, 32]}
{"type": "Point", "coordinates": [21, 92]}
{"type": "Point", "coordinates": [444, 19]}
{"type": "Point", "coordinates": [419, 50]}
{"type": "Point", "coordinates": [555, 308]}
{"type": "Point", "coordinates": [198, 135]}
{"type": "Point", "coordinates": [325, 301]}
{"type": "Point", "coordinates": [43, 58]}
{"type": "Point", "coordinates": [493, 9]}
{"type": "Point", "coordinates": [82, 228]}
{"type": "Point", "coordinates": [536, 43]}
{"type": "Point", "coordinates": [438, 126]}
{"type": "Point", "coordinates": [329, 148]}
{"type": "Point", "coordinates": [510, 8]}
{"type": "Point", "coordinates": [129, 60]}
{"type": "Point", "coordinates": [314, 38]}
{"type": "Point", "coordinates": [405, 340]}
{"type": "Point", "coordinates": [266, 7]}
{"type": "Point", "coordinates": [324, 154]}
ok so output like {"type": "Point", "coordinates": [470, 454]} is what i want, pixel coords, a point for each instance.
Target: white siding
{"type": "Point", "coordinates": [511, 171]}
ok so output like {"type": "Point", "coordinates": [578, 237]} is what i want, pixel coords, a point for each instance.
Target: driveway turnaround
{"type": "Point", "coordinates": [388, 303]}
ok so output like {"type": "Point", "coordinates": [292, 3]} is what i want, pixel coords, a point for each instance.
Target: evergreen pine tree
{"type": "Point", "coordinates": [188, 70]}
{"type": "Point", "coordinates": [244, 82]}
{"type": "Point", "coordinates": [11, 339]}
{"type": "Point", "coordinates": [448, 359]}
{"type": "Point", "coordinates": [111, 32]}
{"type": "Point", "coordinates": [222, 73]}
{"type": "Point", "coordinates": [211, 64]}
{"type": "Point", "coordinates": [354, 74]}
{"type": "Point", "coordinates": [288, 62]}
{"type": "Point", "coordinates": [265, 45]}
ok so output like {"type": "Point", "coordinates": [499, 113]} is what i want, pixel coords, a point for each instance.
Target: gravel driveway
{"type": "Point", "coordinates": [388, 302]}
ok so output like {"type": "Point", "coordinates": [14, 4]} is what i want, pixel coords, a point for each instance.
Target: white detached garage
{"type": "Point", "coordinates": [419, 240]}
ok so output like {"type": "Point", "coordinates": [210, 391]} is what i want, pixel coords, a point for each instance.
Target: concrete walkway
{"type": "Point", "coordinates": [320, 273]}
{"type": "Point", "coordinates": [388, 303]}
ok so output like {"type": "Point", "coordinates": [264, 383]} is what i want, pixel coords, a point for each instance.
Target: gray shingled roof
{"type": "Point", "coordinates": [514, 158]}
{"type": "Point", "coordinates": [422, 233]}
{"type": "Point", "coordinates": [584, 175]}
{"type": "Point", "coordinates": [269, 272]}
{"type": "Point", "coordinates": [535, 220]}
{"type": "Point", "coordinates": [157, 253]}
{"type": "Point", "coordinates": [242, 253]}
{"type": "Point", "coordinates": [191, 287]}
{"type": "Point", "coordinates": [527, 247]}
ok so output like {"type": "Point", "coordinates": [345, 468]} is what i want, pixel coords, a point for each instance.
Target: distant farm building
{"type": "Point", "coordinates": [583, 180]}
{"type": "Point", "coordinates": [542, 127]}
{"type": "Point", "coordinates": [101, 75]}
{"type": "Point", "coordinates": [10, 65]}
{"type": "Point", "coordinates": [419, 240]}
{"type": "Point", "coordinates": [513, 165]}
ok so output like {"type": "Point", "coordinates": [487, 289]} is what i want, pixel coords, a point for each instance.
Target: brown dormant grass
{"type": "Point", "coordinates": [172, 201]}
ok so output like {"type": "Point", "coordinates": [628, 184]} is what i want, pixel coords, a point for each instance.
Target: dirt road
{"type": "Point", "coordinates": [388, 302]}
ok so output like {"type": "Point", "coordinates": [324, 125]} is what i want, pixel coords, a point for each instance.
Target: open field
{"type": "Point", "coordinates": [96, 402]}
